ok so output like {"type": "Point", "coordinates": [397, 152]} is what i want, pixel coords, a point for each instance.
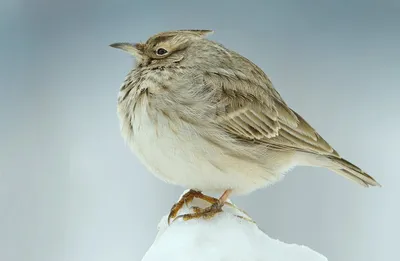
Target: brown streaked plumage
{"type": "Point", "coordinates": [204, 117]}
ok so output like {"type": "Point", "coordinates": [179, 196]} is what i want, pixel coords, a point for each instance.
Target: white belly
{"type": "Point", "coordinates": [183, 158]}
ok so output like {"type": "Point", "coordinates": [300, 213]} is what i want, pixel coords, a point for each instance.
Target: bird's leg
{"type": "Point", "coordinates": [209, 212]}
{"type": "Point", "coordinates": [188, 198]}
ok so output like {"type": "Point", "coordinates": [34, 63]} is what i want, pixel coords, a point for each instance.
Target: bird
{"type": "Point", "coordinates": [204, 117]}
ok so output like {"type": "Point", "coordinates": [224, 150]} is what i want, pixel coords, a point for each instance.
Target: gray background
{"type": "Point", "coordinates": [71, 190]}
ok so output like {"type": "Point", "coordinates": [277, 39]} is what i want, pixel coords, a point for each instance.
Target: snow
{"type": "Point", "coordinates": [224, 237]}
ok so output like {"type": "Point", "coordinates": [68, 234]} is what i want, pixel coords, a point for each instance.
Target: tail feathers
{"type": "Point", "coordinates": [351, 171]}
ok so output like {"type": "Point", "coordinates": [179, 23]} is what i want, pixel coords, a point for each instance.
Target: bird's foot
{"type": "Point", "coordinates": [186, 199]}
{"type": "Point", "coordinates": [208, 212]}
{"type": "Point", "coordinates": [205, 213]}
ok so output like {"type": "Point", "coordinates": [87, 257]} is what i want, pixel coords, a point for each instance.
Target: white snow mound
{"type": "Point", "coordinates": [224, 237]}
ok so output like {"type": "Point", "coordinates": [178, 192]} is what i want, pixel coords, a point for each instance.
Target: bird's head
{"type": "Point", "coordinates": [164, 48]}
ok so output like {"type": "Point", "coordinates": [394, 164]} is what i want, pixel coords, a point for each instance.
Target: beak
{"type": "Point", "coordinates": [133, 49]}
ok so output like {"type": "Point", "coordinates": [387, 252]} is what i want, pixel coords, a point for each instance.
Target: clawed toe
{"type": "Point", "coordinates": [185, 200]}
{"type": "Point", "coordinates": [205, 213]}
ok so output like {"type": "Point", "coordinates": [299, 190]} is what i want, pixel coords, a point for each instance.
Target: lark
{"type": "Point", "coordinates": [204, 117]}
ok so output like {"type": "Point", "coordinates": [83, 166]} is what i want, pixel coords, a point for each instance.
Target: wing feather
{"type": "Point", "coordinates": [254, 111]}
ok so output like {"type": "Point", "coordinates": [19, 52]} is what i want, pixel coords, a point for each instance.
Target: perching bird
{"type": "Point", "coordinates": [204, 117]}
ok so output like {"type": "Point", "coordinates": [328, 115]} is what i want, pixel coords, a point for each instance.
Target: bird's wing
{"type": "Point", "coordinates": [251, 109]}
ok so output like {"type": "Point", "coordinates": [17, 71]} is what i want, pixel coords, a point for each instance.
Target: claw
{"type": "Point", "coordinates": [185, 199]}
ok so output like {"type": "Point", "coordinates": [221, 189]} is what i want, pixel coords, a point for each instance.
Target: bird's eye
{"type": "Point", "coordinates": [161, 51]}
